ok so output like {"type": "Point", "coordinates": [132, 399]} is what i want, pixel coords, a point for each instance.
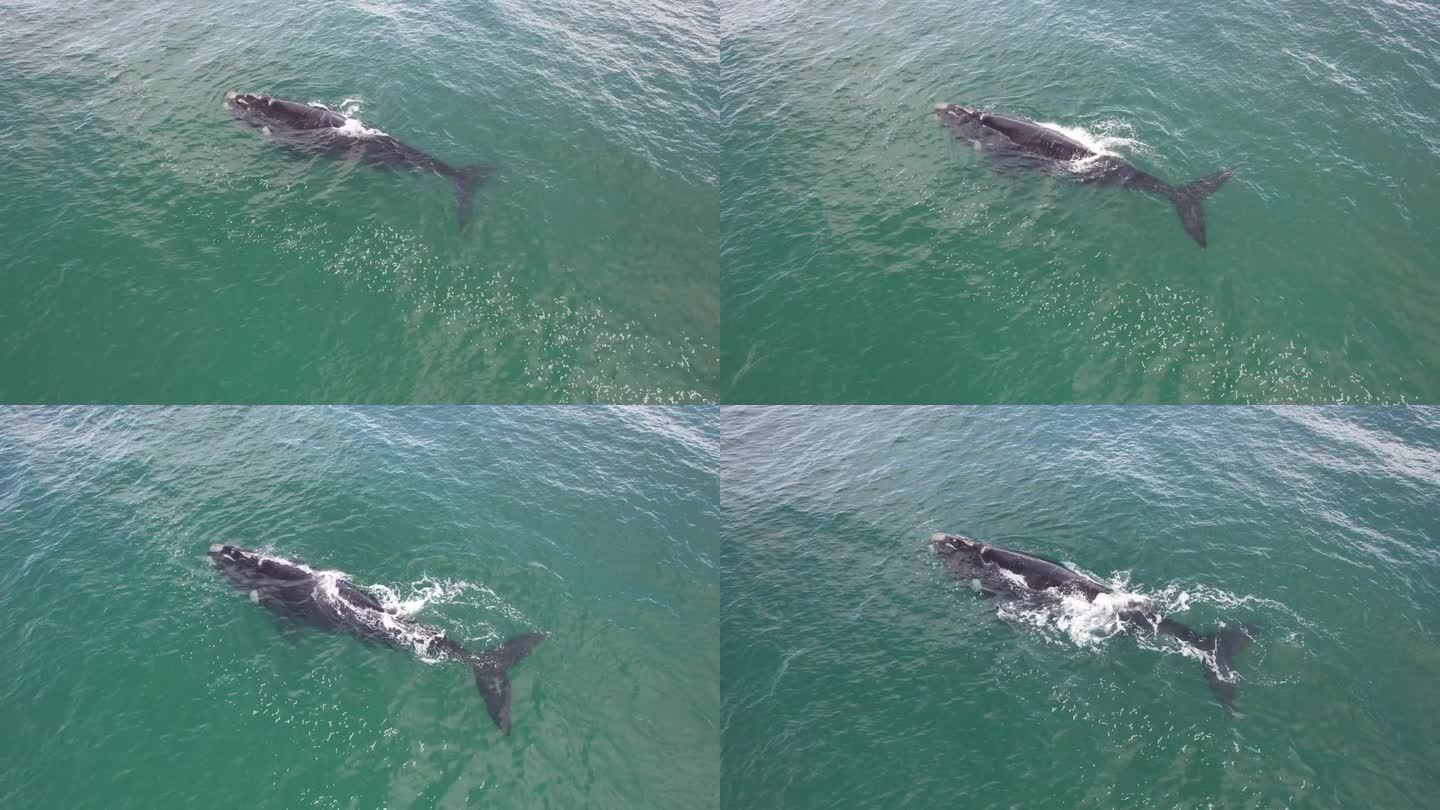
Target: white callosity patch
{"type": "Point", "coordinates": [255, 596]}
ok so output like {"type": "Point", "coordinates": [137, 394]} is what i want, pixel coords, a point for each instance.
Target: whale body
{"type": "Point", "coordinates": [315, 129]}
{"type": "Point", "coordinates": [1006, 137]}
{"type": "Point", "coordinates": [1008, 574]}
{"type": "Point", "coordinates": [331, 601]}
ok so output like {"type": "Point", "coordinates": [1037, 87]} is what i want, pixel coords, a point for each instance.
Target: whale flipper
{"type": "Point", "coordinates": [1188, 197]}
{"type": "Point", "coordinates": [466, 180]}
{"type": "Point", "coordinates": [490, 677]}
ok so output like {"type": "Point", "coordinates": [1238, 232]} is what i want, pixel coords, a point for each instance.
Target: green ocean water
{"type": "Point", "coordinates": [857, 672]}
{"type": "Point", "coordinates": [152, 249]}
{"type": "Point", "coordinates": [133, 676]}
{"type": "Point", "coordinates": [867, 256]}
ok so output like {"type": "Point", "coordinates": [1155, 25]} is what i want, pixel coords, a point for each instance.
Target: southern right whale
{"type": "Point", "coordinates": [1004, 136]}
{"type": "Point", "coordinates": [330, 600]}
{"type": "Point", "coordinates": [315, 129]}
{"type": "Point", "coordinates": [1006, 574]}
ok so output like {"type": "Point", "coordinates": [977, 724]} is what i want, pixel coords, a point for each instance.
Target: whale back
{"type": "Point", "coordinates": [304, 116]}
{"type": "Point", "coordinates": [1036, 139]}
{"type": "Point", "coordinates": [1041, 574]}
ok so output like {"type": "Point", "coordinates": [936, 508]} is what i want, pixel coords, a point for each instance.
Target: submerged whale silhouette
{"type": "Point", "coordinates": [1003, 573]}
{"type": "Point", "coordinates": [315, 129]}
{"type": "Point", "coordinates": [1015, 137]}
{"type": "Point", "coordinates": [327, 599]}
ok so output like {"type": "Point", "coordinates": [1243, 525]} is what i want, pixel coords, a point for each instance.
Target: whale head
{"type": "Point", "coordinates": [241, 103]}
{"type": "Point", "coordinates": [962, 121]}
{"type": "Point", "coordinates": [252, 108]}
{"type": "Point", "coordinates": [265, 112]}
{"type": "Point", "coordinates": [962, 555]}
{"type": "Point", "coordinates": [246, 568]}
{"type": "Point", "coordinates": [942, 543]}
{"type": "Point", "coordinates": [958, 545]}
{"type": "Point", "coordinates": [232, 558]}
{"type": "Point", "coordinates": [944, 110]}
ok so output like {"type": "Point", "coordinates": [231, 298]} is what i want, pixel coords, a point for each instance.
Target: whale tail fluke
{"type": "Point", "coordinates": [490, 674]}
{"type": "Point", "coordinates": [1187, 199]}
{"type": "Point", "coordinates": [467, 179]}
{"type": "Point", "coordinates": [1226, 644]}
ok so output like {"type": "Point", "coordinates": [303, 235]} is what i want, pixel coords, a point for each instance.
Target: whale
{"type": "Point", "coordinates": [329, 599]}
{"type": "Point", "coordinates": [316, 129]}
{"type": "Point", "coordinates": [1016, 141]}
{"type": "Point", "coordinates": [1001, 573]}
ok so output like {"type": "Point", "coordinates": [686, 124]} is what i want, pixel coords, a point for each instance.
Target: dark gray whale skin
{"type": "Point", "coordinates": [292, 589]}
{"type": "Point", "coordinates": [1004, 137]}
{"type": "Point", "coordinates": [1045, 581]}
{"type": "Point", "coordinates": [317, 130]}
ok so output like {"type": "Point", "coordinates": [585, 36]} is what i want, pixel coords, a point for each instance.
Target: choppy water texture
{"type": "Point", "coordinates": [156, 251]}
{"type": "Point", "coordinates": [856, 672]}
{"type": "Point", "coordinates": [869, 257]}
{"type": "Point", "coordinates": [134, 676]}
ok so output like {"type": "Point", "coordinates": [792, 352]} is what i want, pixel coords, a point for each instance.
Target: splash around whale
{"type": "Point", "coordinates": [329, 600]}
{"type": "Point", "coordinates": [316, 129]}
{"type": "Point", "coordinates": [1006, 574]}
{"type": "Point", "coordinates": [1007, 138]}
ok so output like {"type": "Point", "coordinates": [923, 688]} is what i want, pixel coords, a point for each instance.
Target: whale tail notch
{"type": "Point", "coordinates": [1187, 199]}
{"type": "Point", "coordinates": [490, 675]}
{"type": "Point", "coordinates": [467, 179]}
{"type": "Point", "coordinates": [1226, 644]}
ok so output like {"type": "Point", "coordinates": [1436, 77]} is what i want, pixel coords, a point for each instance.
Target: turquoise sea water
{"type": "Point", "coordinates": [154, 250]}
{"type": "Point", "coordinates": [133, 676]}
{"type": "Point", "coordinates": [856, 672]}
{"type": "Point", "coordinates": [867, 256]}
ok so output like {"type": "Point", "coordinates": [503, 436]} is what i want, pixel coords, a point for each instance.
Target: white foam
{"type": "Point", "coordinates": [415, 636]}
{"type": "Point", "coordinates": [1077, 620]}
{"type": "Point", "coordinates": [423, 593]}
{"type": "Point", "coordinates": [353, 126]}
{"type": "Point", "coordinates": [1089, 625]}
{"type": "Point", "coordinates": [1104, 142]}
